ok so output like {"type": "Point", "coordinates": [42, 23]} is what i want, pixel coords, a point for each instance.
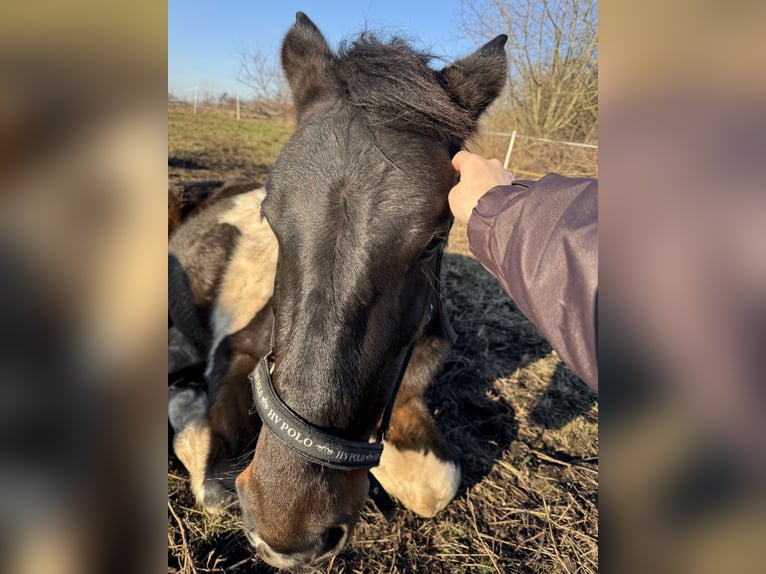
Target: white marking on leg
{"type": "Point", "coordinates": [422, 482]}
{"type": "Point", "coordinates": [187, 412]}
{"type": "Point", "coordinates": [192, 446]}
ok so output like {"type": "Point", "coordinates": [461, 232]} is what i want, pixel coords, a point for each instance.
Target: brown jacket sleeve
{"type": "Point", "coordinates": [540, 239]}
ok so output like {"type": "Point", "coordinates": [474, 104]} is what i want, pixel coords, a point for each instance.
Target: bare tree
{"type": "Point", "coordinates": [261, 71]}
{"type": "Point", "coordinates": [553, 68]}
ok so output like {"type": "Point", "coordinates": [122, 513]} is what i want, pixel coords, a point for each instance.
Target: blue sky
{"type": "Point", "coordinates": [207, 37]}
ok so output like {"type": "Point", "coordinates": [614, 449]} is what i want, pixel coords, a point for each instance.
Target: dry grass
{"type": "Point", "coordinates": [530, 157]}
{"type": "Point", "coordinates": [533, 157]}
{"type": "Point", "coordinates": [213, 145]}
{"type": "Point", "coordinates": [525, 429]}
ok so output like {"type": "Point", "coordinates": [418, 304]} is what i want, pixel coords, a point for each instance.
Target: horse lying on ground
{"type": "Point", "coordinates": [321, 295]}
{"type": "Point", "coordinates": [186, 200]}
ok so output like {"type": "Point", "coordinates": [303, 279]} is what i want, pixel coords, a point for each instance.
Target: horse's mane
{"type": "Point", "coordinates": [394, 86]}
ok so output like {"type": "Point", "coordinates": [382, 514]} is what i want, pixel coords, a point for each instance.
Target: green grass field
{"type": "Point", "coordinates": [525, 428]}
{"type": "Point", "coordinates": [211, 145]}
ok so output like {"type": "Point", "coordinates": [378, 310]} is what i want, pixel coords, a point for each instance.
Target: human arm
{"type": "Point", "coordinates": [540, 240]}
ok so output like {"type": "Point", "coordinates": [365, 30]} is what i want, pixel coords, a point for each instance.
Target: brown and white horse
{"type": "Point", "coordinates": [323, 289]}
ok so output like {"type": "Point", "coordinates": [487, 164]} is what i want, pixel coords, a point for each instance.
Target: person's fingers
{"type": "Point", "coordinates": [459, 159]}
{"type": "Point", "coordinates": [460, 206]}
{"type": "Point", "coordinates": [465, 159]}
{"type": "Point", "coordinates": [496, 163]}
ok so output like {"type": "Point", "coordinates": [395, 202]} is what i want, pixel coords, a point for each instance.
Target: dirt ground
{"type": "Point", "coordinates": [524, 427]}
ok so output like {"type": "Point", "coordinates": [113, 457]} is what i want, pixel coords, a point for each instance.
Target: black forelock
{"type": "Point", "coordinates": [394, 87]}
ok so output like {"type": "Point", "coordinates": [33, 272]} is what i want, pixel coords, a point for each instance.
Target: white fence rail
{"type": "Point", "coordinates": [514, 136]}
{"type": "Point", "coordinates": [234, 105]}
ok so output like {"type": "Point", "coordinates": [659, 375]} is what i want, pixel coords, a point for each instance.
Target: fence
{"type": "Point", "coordinates": [535, 158]}
{"type": "Point", "coordinates": [570, 158]}
{"type": "Point", "coordinates": [232, 105]}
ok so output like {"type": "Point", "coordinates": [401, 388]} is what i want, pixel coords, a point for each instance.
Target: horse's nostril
{"type": "Point", "coordinates": [334, 538]}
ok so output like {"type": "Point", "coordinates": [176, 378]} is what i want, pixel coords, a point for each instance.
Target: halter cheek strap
{"type": "Point", "coordinates": [447, 331]}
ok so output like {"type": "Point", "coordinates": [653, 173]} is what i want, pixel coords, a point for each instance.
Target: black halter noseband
{"type": "Point", "coordinates": [317, 445]}
{"type": "Point", "coordinates": [302, 437]}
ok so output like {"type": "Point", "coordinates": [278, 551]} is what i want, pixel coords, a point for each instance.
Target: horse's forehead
{"type": "Point", "coordinates": [366, 191]}
{"type": "Point", "coordinates": [342, 189]}
{"type": "Point", "coordinates": [365, 218]}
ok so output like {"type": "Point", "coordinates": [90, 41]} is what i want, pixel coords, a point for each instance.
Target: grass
{"type": "Point", "coordinates": [525, 428]}
{"type": "Point", "coordinates": [214, 145]}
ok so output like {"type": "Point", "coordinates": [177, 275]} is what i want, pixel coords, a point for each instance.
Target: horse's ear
{"type": "Point", "coordinates": [475, 81]}
{"type": "Point", "coordinates": [305, 60]}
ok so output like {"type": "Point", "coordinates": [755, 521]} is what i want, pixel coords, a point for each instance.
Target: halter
{"type": "Point", "coordinates": [315, 444]}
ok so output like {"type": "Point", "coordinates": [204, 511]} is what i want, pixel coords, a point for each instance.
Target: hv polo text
{"type": "Point", "coordinates": [286, 430]}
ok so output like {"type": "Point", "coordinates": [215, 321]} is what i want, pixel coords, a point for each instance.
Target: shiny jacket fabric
{"type": "Point", "coordinates": [540, 239]}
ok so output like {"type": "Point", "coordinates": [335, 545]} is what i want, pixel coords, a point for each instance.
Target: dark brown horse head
{"type": "Point", "coordinates": [358, 202]}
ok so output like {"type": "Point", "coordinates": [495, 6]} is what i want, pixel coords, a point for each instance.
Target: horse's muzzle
{"type": "Point", "coordinates": [329, 544]}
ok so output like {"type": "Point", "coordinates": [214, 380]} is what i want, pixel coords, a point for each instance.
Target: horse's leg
{"type": "Point", "coordinates": [215, 436]}
{"type": "Point", "coordinates": [223, 307]}
{"type": "Point", "coordinates": [212, 441]}
{"type": "Point", "coordinates": [187, 412]}
{"type": "Point", "coordinates": [187, 406]}
{"type": "Point", "coordinates": [233, 429]}
{"type": "Point", "coordinates": [417, 466]}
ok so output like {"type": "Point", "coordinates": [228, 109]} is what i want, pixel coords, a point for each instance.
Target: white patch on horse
{"type": "Point", "coordinates": [421, 481]}
{"type": "Point", "coordinates": [187, 412]}
{"type": "Point", "coordinates": [248, 283]}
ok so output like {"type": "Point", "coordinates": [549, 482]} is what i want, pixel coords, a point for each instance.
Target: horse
{"type": "Point", "coordinates": [316, 301]}
{"type": "Point", "coordinates": [184, 201]}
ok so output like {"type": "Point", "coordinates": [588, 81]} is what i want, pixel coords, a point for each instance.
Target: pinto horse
{"type": "Point", "coordinates": [324, 290]}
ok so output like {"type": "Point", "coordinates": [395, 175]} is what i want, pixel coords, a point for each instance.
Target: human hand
{"type": "Point", "coordinates": [477, 176]}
